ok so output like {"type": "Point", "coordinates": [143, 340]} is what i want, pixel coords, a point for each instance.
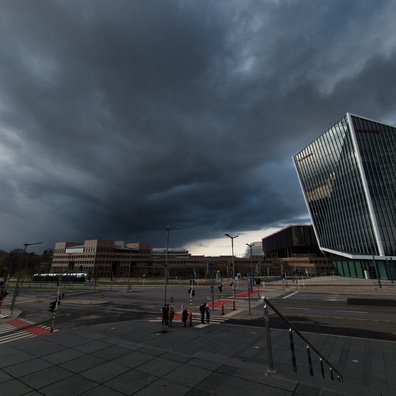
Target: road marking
{"type": "Point", "coordinates": [6, 328]}
{"type": "Point", "coordinates": [289, 295]}
{"type": "Point", "coordinates": [306, 309]}
{"type": "Point", "coordinates": [15, 336]}
{"type": "Point", "coordinates": [340, 310]}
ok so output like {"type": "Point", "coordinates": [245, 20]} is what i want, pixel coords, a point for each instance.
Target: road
{"type": "Point", "coordinates": [326, 313]}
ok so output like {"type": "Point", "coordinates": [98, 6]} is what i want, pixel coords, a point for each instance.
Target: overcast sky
{"type": "Point", "coordinates": [118, 118]}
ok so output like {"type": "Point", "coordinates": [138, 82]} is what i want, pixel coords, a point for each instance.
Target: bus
{"type": "Point", "coordinates": [69, 277]}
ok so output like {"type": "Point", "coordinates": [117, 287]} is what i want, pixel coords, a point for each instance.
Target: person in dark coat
{"type": "Point", "coordinates": [184, 316]}
{"type": "Point", "coordinates": [202, 310]}
{"type": "Point", "coordinates": [165, 311]}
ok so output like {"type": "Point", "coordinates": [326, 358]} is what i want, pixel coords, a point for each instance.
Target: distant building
{"type": "Point", "coordinates": [174, 252]}
{"type": "Point", "coordinates": [255, 249]}
{"type": "Point", "coordinates": [297, 251]}
{"type": "Point", "coordinates": [100, 258]}
{"type": "Point", "coordinates": [348, 179]}
{"type": "Point", "coordinates": [291, 241]}
{"type": "Point", "coordinates": [118, 259]}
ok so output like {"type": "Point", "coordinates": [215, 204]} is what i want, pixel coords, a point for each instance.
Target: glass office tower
{"type": "Point", "coordinates": [348, 178]}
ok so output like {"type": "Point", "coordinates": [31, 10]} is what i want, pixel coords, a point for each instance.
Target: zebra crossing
{"type": "Point", "coordinates": [332, 297]}
{"type": "Point", "coordinates": [18, 329]}
{"type": "Point", "coordinates": [213, 320]}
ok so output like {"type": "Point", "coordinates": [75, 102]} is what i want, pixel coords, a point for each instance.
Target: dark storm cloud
{"type": "Point", "coordinates": [119, 118]}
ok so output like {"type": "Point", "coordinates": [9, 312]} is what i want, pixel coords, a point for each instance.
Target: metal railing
{"type": "Point", "coordinates": [322, 359]}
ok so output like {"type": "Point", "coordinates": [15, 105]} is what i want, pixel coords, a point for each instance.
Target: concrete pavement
{"type": "Point", "coordinates": [145, 358]}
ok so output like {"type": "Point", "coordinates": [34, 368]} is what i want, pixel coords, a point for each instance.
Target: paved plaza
{"type": "Point", "coordinates": [147, 358]}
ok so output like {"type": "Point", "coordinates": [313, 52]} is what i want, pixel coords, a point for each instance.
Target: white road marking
{"type": "Point", "coordinates": [340, 310]}
{"type": "Point", "coordinates": [289, 295]}
{"type": "Point", "coordinates": [306, 309]}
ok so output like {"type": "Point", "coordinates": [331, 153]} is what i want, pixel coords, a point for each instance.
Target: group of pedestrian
{"type": "Point", "coordinates": [205, 312]}
{"type": "Point", "coordinates": [168, 313]}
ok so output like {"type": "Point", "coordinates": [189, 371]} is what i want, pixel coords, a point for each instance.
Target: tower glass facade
{"type": "Point", "coordinates": [348, 179]}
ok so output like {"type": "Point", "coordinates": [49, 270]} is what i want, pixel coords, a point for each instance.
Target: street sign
{"type": "Point", "coordinates": [250, 283]}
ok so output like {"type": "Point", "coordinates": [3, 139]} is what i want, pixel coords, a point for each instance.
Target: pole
{"type": "Point", "coordinates": [233, 269]}
{"type": "Point", "coordinates": [270, 369]}
{"type": "Point", "coordinates": [249, 285]}
{"type": "Point", "coordinates": [16, 290]}
{"type": "Point", "coordinates": [222, 297]}
{"type": "Point", "coordinates": [56, 308]}
{"type": "Point", "coordinates": [166, 263]}
{"type": "Point", "coordinates": [168, 229]}
{"type": "Point", "coordinates": [191, 297]}
{"type": "Point", "coordinates": [377, 272]}
{"type": "Point", "coordinates": [212, 287]}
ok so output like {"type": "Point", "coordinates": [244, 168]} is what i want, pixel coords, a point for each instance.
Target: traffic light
{"type": "Point", "coordinates": [52, 306]}
{"type": "Point", "coordinates": [3, 295]}
{"type": "Point", "coordinates": [220, 288]}
{"type": "Point", "coordinates": [192, 292]}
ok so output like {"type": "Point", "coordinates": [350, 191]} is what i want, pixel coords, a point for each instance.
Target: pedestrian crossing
{"type": "Point", "coordinates": [17, 335]}
{"type": "Point", "coordinates": [333, 297]}
{"type": "Point", "coordinates": [214, 319]}
{"type": "Point", "coordinates": [18, 329]}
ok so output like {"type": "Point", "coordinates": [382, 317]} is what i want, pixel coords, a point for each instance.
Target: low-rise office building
{"type": "Point", "coordinates": [117, 259]}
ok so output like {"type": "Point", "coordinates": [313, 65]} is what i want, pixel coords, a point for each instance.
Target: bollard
{"type": "Point", "coordinates": [293, 353]}
{"type": "Point", "coordinates": [309, 360]}
{"type": "Point", "coordinates": [270, 369]}
{"type": "Point", "coordinates": [191, 314]}
{"type": "Point", "coordinates": [322, 368]}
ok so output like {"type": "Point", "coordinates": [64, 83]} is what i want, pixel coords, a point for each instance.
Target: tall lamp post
{"type": "Point", "coordinates": [251, 255]}
{"type": "Point", "coordinates": [16, 290]}
{"type": "Point", "coordinates": [168, 229]}
{"type": "Point", "coordinates": [233, 268]}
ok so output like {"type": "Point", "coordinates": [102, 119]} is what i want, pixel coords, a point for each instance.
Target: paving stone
{"type": "Point", "coordinates": [163, 387]}
{"type": "Point", "coordinates": [188, 375]}
{"type": "Point", "coordinates": [134, 359]}
{"type": "Point", "coordinates": [82, 363]}
{"type": "Point", "coordinates": [159, 366]}
{"type": "Point", "coordinates": [131, 382]}
{"type": "Point", "coordinates": [104, 372]}
{"type": "Point", "coordinates": [71, 386]}
{"type": "Point", "coordinates": [45, 377]}
{"type": "Point", "coordinates": [26, 368]}
{"type": "Point", "coordinates": [14, 388]}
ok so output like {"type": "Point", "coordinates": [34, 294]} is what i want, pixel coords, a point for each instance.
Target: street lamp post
{"type": "Point", "coordinates": [16, 290]}
{"type": "Point", "coordinates": [233, 268]}
{"type": "Point", "coordinates": [168, 229]}
{"type": "Point", "coordinates": [251, 255]}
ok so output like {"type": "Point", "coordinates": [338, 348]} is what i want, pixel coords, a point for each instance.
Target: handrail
{"type": "Point", "coordinates": [310, 346]}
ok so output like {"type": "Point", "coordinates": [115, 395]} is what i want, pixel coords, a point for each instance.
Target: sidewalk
{"type": "Point", "coordinates": [146, 358]}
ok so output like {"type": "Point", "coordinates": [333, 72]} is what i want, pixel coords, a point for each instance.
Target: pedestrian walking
{"type": "Point", "coordinates": [202, 310]}
{"type": "Point", "coordinates": [171, 316]}
{"type": "Point", "coordinates": [184, 316]}
{"type": "Point", "coordinates": [207, 311]}
{"type": "Point", "coordinates": [164, 314]}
